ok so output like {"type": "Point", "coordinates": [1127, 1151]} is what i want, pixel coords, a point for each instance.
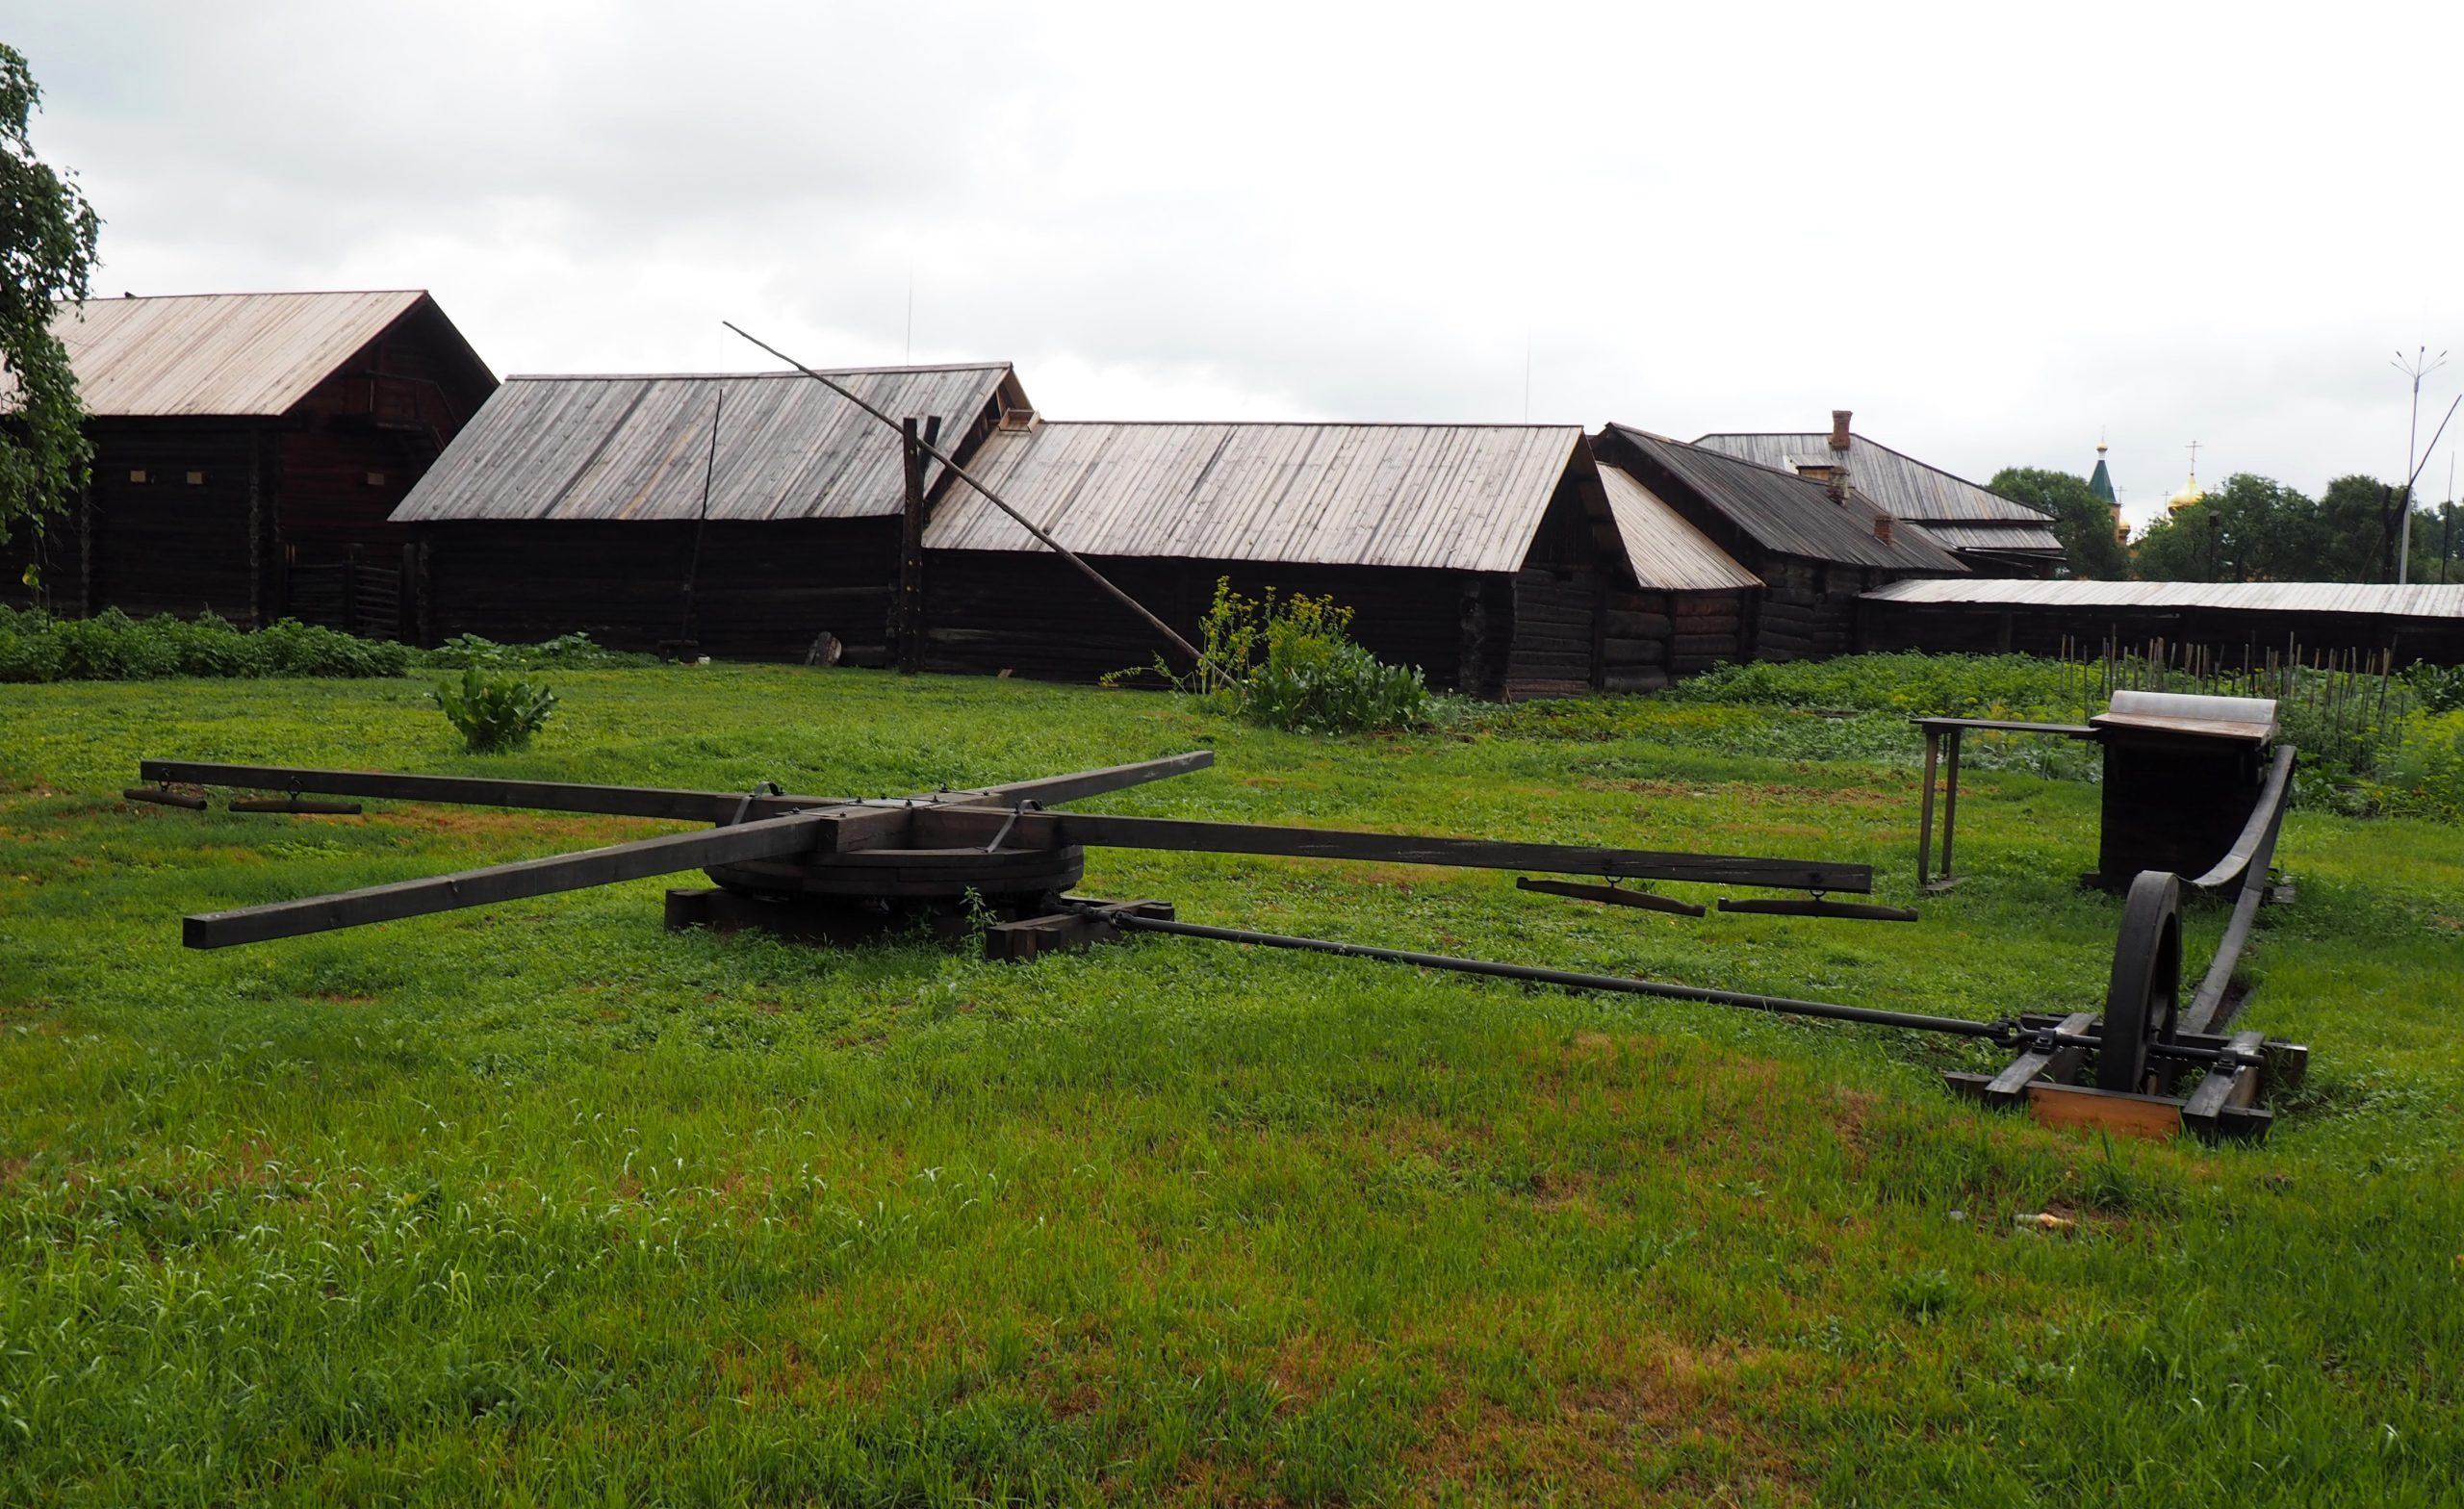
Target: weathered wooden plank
{"type": "Point", "coordinates": [1609, 895]}
{"type": "Point", "coordinates": [955, 826]}
{"type": "Point", "coordinates": [1052, 791]}
{"type": "Point", "coordinates": [2223, 1085]}
{"type": "Point", "coordinates": [544, 796]}
{"type": "Point", "coordinates": [2060, 1062]}
{"type": "Point", "coordinates": [1623, 625]}
{"type": "Point", "coordinates": [767, 838]}
{"type": "Point", "coordinates": [2087, 1109]}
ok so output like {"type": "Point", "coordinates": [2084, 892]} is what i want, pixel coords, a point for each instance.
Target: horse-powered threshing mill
{"type": "Point", "coordinates": [843, 870]}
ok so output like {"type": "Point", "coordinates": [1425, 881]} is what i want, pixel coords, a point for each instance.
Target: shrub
{"type": "Point", "coordinates": [565, 652]}
{"type": "Point", "coordinates": [112, 647]}
{"type": "Point", "coordinates": [2426, 774]}
{"type": "Point", "coordinates": [494, 709]}
{"type": "Point", "coordinates": [1292, 663]}
{"type": "Point", "coordinates": [2437, 688]}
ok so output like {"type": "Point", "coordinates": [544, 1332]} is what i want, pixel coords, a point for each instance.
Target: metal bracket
{"type": "Point", "coordinates": [760, 789]}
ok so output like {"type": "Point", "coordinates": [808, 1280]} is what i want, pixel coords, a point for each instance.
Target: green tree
{"type": "Point", "coordinates": [2252, 528]}
{"type": "Point", "coordinates": [2357, 525]}
{"type": "Point", "coordinates": [47, 232]}
{"type": "Point", "coordinates": [2081, 520]}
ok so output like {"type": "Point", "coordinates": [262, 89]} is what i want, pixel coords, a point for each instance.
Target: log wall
{"type": "Point", "coordinates": [1031, 614]}
{"type": "Point", "coordinates": [761, 591]}
{"type": "Point", "coordinates": [2234, 637]}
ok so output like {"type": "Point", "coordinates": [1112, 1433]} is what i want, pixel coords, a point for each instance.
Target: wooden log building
{"type": "Point", "coordinates": [2235, 622]}
{"type": "Point", "coordinates": [1686, 604]}
{"type": "Point", "coordinates": [1816, 545]}
{"type": "Point", "coordinates": [1486, 556]}
{"type": "Point", "coordinates": [249, 448]}
{"type": "Point", "coordinates": [748, 517]}
{"type": "Point", "coordinates": [1992, 535]}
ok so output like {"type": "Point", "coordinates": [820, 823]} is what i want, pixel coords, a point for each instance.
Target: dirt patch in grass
{"type": "Point", "coordinates": [1654, 1418]}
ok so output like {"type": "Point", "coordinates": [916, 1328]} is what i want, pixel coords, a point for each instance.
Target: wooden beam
{"type": "Point", "coordinates": [2009, 1087]}
{"type": "Point", "coordinates": [768, 839]}
{"type": "Point", "coordinates": [1609, 895]}
{"type": "Point", "coordinates": [1052, 791]}
{"type": "Point", "coordinates": [958, 827]}
{"type": "Point", "coordinates": [908, 625]}
{"type": "Point", "coordinates": [546, 796]}
{"type": "Point", "coordinates": [1016, 942]}
{"type": "Point", "coordinates": [2087, 1109]}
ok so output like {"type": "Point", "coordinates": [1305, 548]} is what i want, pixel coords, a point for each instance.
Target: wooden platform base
{"type": "Point", "coordinates": [2222, 1102]}
{"type": "Point", "coordinates": [1013, 927]}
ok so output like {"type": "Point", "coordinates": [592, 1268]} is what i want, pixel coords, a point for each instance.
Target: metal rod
{"type": "Point", "coordinates": [2004, 1032]}
{"type": "Point", "coordinates": [995, 498]}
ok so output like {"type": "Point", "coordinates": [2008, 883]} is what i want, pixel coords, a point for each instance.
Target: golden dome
{"type": "Point", "coordinates": [2189, 495]}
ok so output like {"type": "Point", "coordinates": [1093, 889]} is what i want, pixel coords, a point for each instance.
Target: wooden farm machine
{"type": "Point", "coordinates": [1003, 859]}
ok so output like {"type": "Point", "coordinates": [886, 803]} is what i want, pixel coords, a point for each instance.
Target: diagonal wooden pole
{"type": "Point", "coordinates": [991, 496]}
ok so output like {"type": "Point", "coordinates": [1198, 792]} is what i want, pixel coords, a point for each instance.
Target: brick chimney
{"type": "Point", "coordinates": [1837, 483]}
{"type": "Point", "coordinates": [1881, 528]}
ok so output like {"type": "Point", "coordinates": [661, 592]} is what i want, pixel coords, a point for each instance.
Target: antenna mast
{"type": "Point", "coordinates": [2417, 369]}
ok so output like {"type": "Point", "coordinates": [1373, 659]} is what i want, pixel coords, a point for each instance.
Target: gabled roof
{"type": "Point", "coordinates": [1908, 487]}
{"type": "Point", "coordinates": [218, 354]}
{"type": "Point", "coordinates": [638, 446]}
{"type": "Point", "coordinates": [1788, 514]}
{"type": "Point", "coordinates": [1667, 553]}
{"type": "Point", "coordinates": [1453, 496]}
{"type": "Point", "coordinates": [2416, 600]}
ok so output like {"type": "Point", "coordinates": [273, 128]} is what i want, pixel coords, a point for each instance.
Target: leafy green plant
{"type": "Point", "coordinates": [112, 647]}
{"type": "Point", "coordinates": [2437, 688]}
{"type": "Point", "coordinates": [1292, 663]}
{"type": "Point", "coordinates": [494, 709]}
{"type": "Point", "coordinates": [575, 651]}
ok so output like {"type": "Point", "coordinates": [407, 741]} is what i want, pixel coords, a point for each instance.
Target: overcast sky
{"type": "Point", "coordinates": [1992, 231]}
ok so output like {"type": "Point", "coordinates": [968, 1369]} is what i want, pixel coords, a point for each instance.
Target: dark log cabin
{"type": "Point", "coordinates": [2231, 625]}
{"type": "Point", "coordinates": [249, 448]}
{"type": "Point", "coordinates": [1815, 545]}
{"type": "Point", "coordinates": [1992, 535]}
{"type": "Point", "coordinates": [1486, 556]}
{"type": "Point", "coordinates": [1687, 603]}
{"type": "Point", "coordinates": [746, 517]}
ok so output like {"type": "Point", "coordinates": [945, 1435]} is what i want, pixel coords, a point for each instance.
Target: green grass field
{"type": "Point", "coordinates": [543, 1203]}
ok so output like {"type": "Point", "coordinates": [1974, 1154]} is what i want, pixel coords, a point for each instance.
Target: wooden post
{"type": "Point", "coordinates": [910, 619]}
{"type": "Point", "coordinates": [1950, 801]}
{"type": "Point", "coordinates": [351, 591]}
{"type": "Point", "coordinates": [86, 550]}
{"type": "Point", "coordinates": [1925, 821]}
{"type": "Point", "coordinates": [256, 615]}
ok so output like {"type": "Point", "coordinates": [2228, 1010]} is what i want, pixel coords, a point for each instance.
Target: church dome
{"type": "Point", "coordinates": [2189, 495]}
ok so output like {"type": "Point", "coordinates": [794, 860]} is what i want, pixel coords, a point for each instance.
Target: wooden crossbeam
{"type": "Point", "coordinates": [1052, 791]}
{"type": "Point", "coordinates": [956, 827]}
{"type": "Point", "coordinates": [765, 840]}
{"type": "Point", "coordinates": [544, 796]}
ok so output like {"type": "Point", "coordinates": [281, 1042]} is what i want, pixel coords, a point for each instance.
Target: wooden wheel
{"type": "Point", "coordinates": [2146, 988]}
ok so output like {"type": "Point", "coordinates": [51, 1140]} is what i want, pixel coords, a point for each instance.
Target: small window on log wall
{"type": "Point", "coordinates": [196, 479]}
{"type": "Point", "coordinates": [137, 476]}
{"type": "Point", "coordinates": [377, 479]}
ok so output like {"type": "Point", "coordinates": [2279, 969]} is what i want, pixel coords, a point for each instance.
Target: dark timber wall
{"type": "Point", "coordinates": [762, 590]}
{"type": "Point", "coordinates": [990, 611]}
{"type": "Point", "coordinates": [260, 518]}
{"type": "Point", "coordinates": [2230, 635]}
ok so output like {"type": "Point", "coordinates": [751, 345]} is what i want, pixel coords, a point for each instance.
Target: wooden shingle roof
{"type": "Point", "coordinates": [1455, 497]}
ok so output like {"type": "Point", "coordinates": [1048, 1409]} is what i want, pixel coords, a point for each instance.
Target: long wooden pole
{"type": "Point", "coordinates": [991, 496]}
